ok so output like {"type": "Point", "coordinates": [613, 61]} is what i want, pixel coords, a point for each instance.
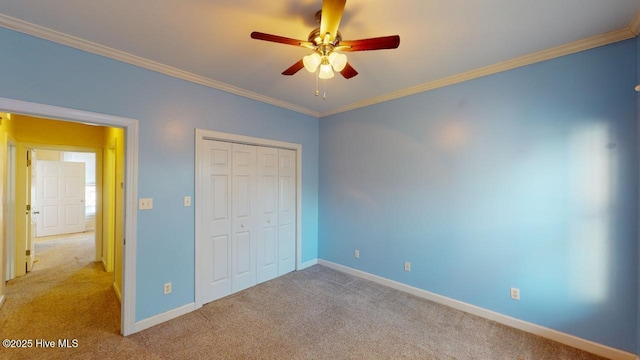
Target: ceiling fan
{"type": "Point", "coordinates": [326, 43]}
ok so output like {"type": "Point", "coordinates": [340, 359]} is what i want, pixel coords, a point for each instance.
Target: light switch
{"type": "Point", "coordinates": [187, 201]}
{"type": "Point", "coordinates": [145, 204]}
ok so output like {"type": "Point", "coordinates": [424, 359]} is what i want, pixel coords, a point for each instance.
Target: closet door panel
{"type": "Point", "coordinates": [243, 201]}
{"type": "Point", "coordinates": [268, 213]}
{"type": "Point", "coordinates": [286, 211]}
{"type": "Point", "coordinates": [216, 245]}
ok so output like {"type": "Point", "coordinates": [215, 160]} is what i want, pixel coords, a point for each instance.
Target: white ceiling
{"type": "Point", "coordinates": [208, 41]}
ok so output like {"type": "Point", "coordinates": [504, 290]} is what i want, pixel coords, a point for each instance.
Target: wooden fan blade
{"type": "Point", "coordinates": [331, 16]}
{"type": "Point", "coordinates": [379, 43]}
{"type": "Point", "coordinates": [294, 68]}
{"type": "Point", "coordinates": [277, 39]}
{"type": "Point", "coordinates": [348, 72]}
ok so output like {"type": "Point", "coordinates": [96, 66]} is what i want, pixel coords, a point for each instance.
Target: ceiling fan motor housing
{"type": "Point", "coordinates": [317, 39]}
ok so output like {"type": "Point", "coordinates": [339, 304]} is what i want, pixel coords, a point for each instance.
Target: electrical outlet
{"type": "Point", "coordinates": [515, 293]}
{"type": "Point", "coordinates": [356, 254]}
{"type": "Point", "coordinates": [407, 266]}
{"type": "Point", "coordinates": [187, 201]}
{"type": "Point", "coordinates": [167, 288]}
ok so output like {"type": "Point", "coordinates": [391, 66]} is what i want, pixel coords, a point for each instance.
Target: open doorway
{"type": "Point", "coordinates": [61, 183]}
{"type": "Point", "coordinates": [64, 194]}
{"type": "Point", "coordinates": [120, 182]}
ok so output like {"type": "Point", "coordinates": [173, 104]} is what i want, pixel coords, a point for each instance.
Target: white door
{"type": "Point", "coordinates": [215, 165]}
{"type": "Point", "coordinates": [60, 197]}
{"type": "Point", "coordinates": [243, 190]}
{"type": "Point", "coordinates": [267, 234]}
{"type": "Point", "coordinates": [287, 211]}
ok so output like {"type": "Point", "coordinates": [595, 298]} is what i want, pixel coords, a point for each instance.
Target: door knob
{"type": "Point", "coordinates": [36, 212]}
{"type": "Point", "coordinates": [242, 226]}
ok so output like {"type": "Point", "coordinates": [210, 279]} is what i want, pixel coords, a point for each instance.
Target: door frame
{"type": "Point", "coordinates": [131, 128]}
{"type": "Point", "coordinates": [99, 185]}
{"type": "Point", "coordinates": [202, 135]}
{"type": "Point", "coordinates": [9, 210]}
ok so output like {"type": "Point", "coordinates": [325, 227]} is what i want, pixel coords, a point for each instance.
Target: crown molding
{"type": "Point", "coordinates": [634, 27]}
{"type": "Point", "coordinates": [558, 51]}
{"type": "Point", "coordinates": [585, 44]}
{"type": "Point", "coordinates": [81, 44]}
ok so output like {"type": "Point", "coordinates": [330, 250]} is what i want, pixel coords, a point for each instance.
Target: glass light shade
{"type": "Point", "coordinates": [311, 61]}
{"type": "Point", "coordinates": [338, 61]}
{"type": "Point", "coordinates": [325, 72]}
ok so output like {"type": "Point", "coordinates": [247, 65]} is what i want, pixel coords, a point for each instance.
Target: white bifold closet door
{"type": "Point", "coordinates": [249, 207]}
{"type": "Point", "coordinates": [244, 200]}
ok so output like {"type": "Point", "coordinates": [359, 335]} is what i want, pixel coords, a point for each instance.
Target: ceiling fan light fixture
{"type": "Point", "coordinates": [338, 61]}
{"type": "Point", "coordinates": [327, 45]}
{"type": "Point", "coordinates": [325, 72]}
{"type": "Point", "coordinates": [312, 61]}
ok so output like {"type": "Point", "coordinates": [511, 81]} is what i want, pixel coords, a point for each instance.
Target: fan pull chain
{"type": "Point", "coordinates": [324, 91]}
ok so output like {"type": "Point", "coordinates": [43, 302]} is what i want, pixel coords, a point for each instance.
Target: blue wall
{"type": "Point", "coordinates": [526, 178]}
{"type": "Point", "coordinates": [169, 110]}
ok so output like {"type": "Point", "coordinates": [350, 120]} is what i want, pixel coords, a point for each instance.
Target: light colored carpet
{"type": "Point", "coordinates": [316, 313]}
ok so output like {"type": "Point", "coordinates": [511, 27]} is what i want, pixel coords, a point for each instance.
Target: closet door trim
{"type": "Point", "coordinates": [201, 136]}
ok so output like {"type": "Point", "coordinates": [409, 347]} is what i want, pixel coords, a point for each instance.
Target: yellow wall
{"type": "Point", "coordinates": [113, 217]}
{"type": "Point", "coordinates": [6, 124]}
{"type": "Point", "coordinates": [44, 131]}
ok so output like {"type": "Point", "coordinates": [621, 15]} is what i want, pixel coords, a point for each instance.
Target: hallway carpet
{"type": "Point", "coordinates": [316, 313]}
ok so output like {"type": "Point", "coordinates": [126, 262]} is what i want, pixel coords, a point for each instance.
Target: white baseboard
{"type": "Point", "coordinates": [118, 293]}
{"type": "Point", "coordinates": [563, 338]}
{"type": "Point", "coordinates": [307, 264]}
{"type": "Point", "coordinates": [165, 316]}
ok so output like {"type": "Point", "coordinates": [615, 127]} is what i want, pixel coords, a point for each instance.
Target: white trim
{"type": "Point", "coordinates": [203, 135]}
{"type": "Point", "coordinates": [9, 215]}
{"type": "Point", "coordinates": [634, 27]}
{"type": "Point", "coordinates": [165, 316]}
{"type": "Point", "coordinates": [299, 208]}
{"type": "Point", "coordinates": [307, 264]}
{"type": "Point", "coordinates": [61, 38]}
{"type": "Point", "coordinates": [118, 293]}
{"type": "Point", "coordinates": [78, 43]}
{"type": "Point", "coordinates": [242, 139]}
{"type": "Point", "coordinates": [131, 188]}
{"type": "Point", "coordinates": [2, 298]}
{"type": "Point", "coordinates": [129, 249]}
{"type": "Point", "coordinates": [558, 51]}
{"type": "Point", "coordinates": [563, 338]}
